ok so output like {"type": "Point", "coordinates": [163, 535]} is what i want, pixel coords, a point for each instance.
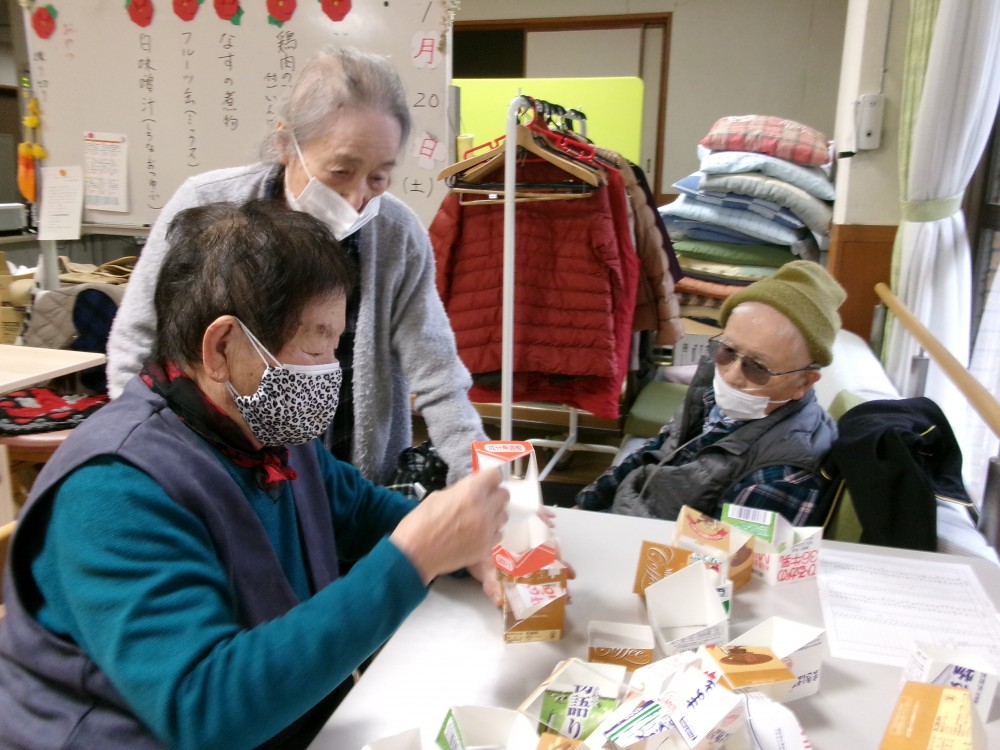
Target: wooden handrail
{"type": "Point", "coordinates": [981, 399]}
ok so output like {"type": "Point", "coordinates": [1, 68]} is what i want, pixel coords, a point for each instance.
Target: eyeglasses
{"type": "Point", "coordinates": [754, 371]}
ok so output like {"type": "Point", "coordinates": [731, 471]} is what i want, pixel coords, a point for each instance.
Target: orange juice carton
{"type": "Point", "coordinates": [724, 547]}
{"type": "Point", "coordinates": [800, 647]}
{"type": "Point", "coordinates": [938, 665]}
{"type": "Point", "coordinates": [626, 644]}
{"type": "Point", "coordinates": [692, 711]}
{"type": "Point", "coordinates": [468, 727]}
{"type": "Point", "coordinates": [532, 578]}
{"type": "Point", "coordinates": [685, 611]}
{"type": "Point", "coordinates": [927, 717]}
{"type": "Point", "coordinates": [575, 698]}
{"type": "Point", "coordinates": [657, 561]}
{"type": "Point", "coordinates": [745, 669]}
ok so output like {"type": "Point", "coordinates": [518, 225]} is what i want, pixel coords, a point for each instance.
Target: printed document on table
{"type": "Point", "coordinates": [876, 607]}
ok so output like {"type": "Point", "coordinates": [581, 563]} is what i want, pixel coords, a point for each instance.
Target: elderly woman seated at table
{"type": "Point", "coordinates": [174, 576]}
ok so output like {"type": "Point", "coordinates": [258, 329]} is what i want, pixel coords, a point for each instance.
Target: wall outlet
{"type": "Point", "coordinates": [869, 132]}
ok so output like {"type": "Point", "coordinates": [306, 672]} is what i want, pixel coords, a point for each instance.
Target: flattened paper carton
{"type": "Point", "coordinates": [726, 548]}
{"type": "Point", "coordinates": [745, 669]}
{"type": "Point", "coordinates": [800, 647]}
{"type": "Point", "coordinates": [942, 666]}
{"type": "Point", "coordinates": [468, 727]}
{"type": "Point", "coordinates": [626, 644]}
{"type": "Point", "coordinates": [532, 578]}
{"type": "Point", "coordinates": [575, 698]}
{"type": "Point", "coordinates": [685, 611]}
{"type": "Point", "coordinates": [929, 717]}
{"type": "Point", "coordinates": [693, 710]}
{"type": "Point", "coordinates": [782, 553]}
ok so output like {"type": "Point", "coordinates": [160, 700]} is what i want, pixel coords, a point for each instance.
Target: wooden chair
{"type": "Point", "coordinates": [27, 454]}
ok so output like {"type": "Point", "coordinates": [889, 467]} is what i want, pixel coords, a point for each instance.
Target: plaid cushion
{"type": "Point", "coordinates": [762, 134]}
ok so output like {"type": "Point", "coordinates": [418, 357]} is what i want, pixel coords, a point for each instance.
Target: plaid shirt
{"type": "Point", "coordinates": [789, 490]}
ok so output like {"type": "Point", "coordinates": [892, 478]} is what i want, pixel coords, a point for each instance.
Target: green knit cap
{"type": "Point", "coordinates": [804, 293]}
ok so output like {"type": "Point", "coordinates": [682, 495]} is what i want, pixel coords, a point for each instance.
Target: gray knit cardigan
{"type": "Point", "coordinates": [403, 344]}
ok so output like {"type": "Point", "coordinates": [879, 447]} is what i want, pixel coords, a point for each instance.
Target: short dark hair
{"type": "Point", "coordinates": [260, 261]}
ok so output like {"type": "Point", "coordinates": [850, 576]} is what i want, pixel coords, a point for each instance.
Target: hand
{"type": "Point", "coordinates": [456, 527]}
{"type": "Point", "coordinates": [486, 573]}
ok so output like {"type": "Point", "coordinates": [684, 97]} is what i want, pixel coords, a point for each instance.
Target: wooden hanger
{"type": "Point", "coordinates": [535, 144]}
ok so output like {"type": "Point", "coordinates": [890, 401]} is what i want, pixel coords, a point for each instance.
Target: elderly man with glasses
{"type": "Point", "coordinates": [750, 431]}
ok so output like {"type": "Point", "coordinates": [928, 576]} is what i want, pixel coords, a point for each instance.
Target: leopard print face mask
{"type": "Point", "coordinates": [293, 403]}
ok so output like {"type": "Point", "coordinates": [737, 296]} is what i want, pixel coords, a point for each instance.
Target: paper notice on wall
{"type": "Point", "coordinates": [105, 171]}
{"type": "Point", "coordinates": [61, 208]}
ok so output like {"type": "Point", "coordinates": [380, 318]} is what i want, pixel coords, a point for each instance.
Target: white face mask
{"type": "Point", "coordinates": [327, 205]}
{"type": "Point", "coordinates": [737, 404]}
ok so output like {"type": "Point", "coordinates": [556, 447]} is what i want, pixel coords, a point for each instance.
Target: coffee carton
{"type": "Point", "coordinates": [727, 549]}
{"type": "Point", "coordinates": [744, 669]}
{"type": "Point", "coordinates": [800, 647]}
{"type": "Point", "coordinates": [628, 645]}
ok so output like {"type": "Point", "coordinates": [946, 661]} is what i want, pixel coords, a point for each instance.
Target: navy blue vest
{"type": "Point", "coordinates": [51, 693]}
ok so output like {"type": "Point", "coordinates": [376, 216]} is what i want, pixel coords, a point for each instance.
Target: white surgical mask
{"type": "Point", "coordinates": [737, 404]}
{"type": "Point", "coordinates": [329, 206]}
{"type": "Point", "coordinates": [293, 403]}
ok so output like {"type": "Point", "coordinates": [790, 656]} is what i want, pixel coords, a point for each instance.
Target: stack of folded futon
{"type": "Point", "coordinates": [761, 197]}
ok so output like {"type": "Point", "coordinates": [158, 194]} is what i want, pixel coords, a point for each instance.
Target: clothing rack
{"type": "Point", "coordinates": [571, 442]}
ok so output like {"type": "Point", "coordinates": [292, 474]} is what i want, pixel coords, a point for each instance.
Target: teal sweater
{"type": "Point", "coordinates": [131, 577]}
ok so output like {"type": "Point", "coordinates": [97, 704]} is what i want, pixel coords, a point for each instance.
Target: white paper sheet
{"type": "Point", "coordinates": [875, 608]}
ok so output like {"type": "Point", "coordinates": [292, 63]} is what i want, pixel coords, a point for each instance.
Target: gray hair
{"type": "Point", "coordinates": [335, 80]}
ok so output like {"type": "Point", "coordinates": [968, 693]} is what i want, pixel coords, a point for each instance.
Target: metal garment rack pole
{"type": "Point", "coordinates": [571, 442]}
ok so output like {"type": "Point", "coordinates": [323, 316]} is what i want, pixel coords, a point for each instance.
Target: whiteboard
{"type": "Point", "coordinates": [200, 92]}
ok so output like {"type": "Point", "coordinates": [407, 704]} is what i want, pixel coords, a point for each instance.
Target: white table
{"type": "Point", "coordinates": [23, 366]}
{"type": "Point", "coordinates": [451, 651]}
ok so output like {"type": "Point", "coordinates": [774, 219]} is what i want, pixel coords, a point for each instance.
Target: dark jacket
{"type": "Point", "coordinates": [797, 434]}
{"type": "Point", "coordinates": [895, 456]}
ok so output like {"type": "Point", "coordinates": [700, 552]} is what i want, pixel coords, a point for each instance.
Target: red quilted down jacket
{"type": "Point", "coordinates": [575, 285]}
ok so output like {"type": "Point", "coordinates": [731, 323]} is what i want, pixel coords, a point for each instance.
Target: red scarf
{"type": "Point", "coordinates": [199, 413]}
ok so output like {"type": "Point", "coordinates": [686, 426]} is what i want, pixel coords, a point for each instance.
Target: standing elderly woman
{"type": "Point", "coordinates": [331, 155]}
{"type": "Point", "coordinates": [174, 577]}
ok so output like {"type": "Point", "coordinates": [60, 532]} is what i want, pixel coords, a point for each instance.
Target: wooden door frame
{"type": "Point", "coordinates": [591, 23]}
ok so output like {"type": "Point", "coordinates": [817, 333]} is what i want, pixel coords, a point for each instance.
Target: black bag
{"type": "Point", "coordinates": [419, 471]}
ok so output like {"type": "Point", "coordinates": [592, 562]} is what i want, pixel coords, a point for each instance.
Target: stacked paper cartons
{"type": "Point", "coordinates": [626, 644]}
{"type": "Point", "coordinates": [691, 711]}
{"type": "Point", "coordinates": [782, 553]}
{"type": "Point", "coordinates": [727, 549]}
{"type": "Point", "coordinates": [942, 666]}
{"type": "Point", "coordinates": [575, 698]}
{"type": "Point", "coordinates": [685, 612]}
{"type": "Point", "coordinates": [929, 717]}
{"type": "Point", "coordinates": [745, 669]}
{"type": "Point", "coordinates": [468, 727]}
{"type": "Point", "coordinates": [532, 578]}
{"type": "Point", "coordinates": [800, 647]}
{"type": "Point", "coordinates": [656, 562]}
